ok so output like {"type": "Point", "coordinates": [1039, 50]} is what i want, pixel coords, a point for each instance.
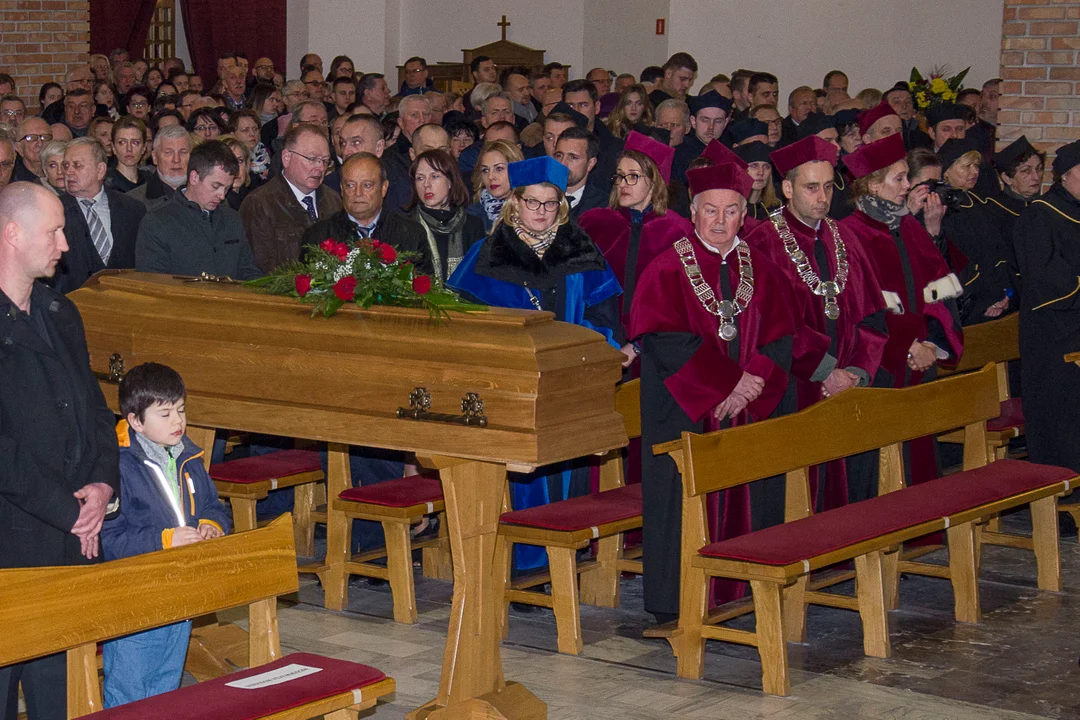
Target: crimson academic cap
{"type": "Point", "coordinates": [661, 154]}
{"type": "Point", "coordinates": [720, 177]}
{"type": "Point", "coordinates": [876, 156]}
{"type": "Point", "coordinates": [719, 154]}
{"type": "Point", "coordinates": [806, 150]}
{"type": "Point", "coordinates": [871, 116]}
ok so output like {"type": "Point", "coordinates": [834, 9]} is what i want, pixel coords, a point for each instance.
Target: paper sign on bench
{"type": "Point", "coordinates": [282, 674]}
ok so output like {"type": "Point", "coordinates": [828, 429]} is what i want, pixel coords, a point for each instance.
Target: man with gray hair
{"type": "Point", "coordinates": [31, 137]}
{"type": "Point", "coordinates": [413, 111]}
{"type": "Point", "coordinates": [674, 116]}
{"type": "Point", "coordinates": [170, 151]}
{"type": "Point", "coordinates": [495, 106]}
{"type": "Point", "coordinates": [100, 224]}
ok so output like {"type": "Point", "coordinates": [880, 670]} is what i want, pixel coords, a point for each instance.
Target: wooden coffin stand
{"type": "Point", "coordinates": [259, 363]}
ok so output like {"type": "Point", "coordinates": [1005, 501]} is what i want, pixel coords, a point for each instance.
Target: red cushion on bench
{"type": "Point", "coordinates": [580, 513]}
{"type": "Point", "coordinates": [1011, 417]}
{"type": "Point", "coordinates": [215, 699]}
{"type": "Point", "coordinates": [835, 529]}
{"type": "Point", "coordinates": [272, 466]}
{"type": "Point", "coordinates": [402, 492]}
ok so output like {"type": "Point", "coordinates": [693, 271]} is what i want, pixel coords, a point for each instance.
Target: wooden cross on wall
{"type": "Point", "coordinates": [504, 24]}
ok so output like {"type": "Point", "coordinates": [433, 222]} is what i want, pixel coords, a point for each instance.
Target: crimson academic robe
{"type": "Point", "coordinates": [920, 297]}
{"type": "Point", "coordinates": [856, 339]}
{"type": "Point", "coordinates": [629, 239]}
{"type": "Point", "coordinates": [687, 370]}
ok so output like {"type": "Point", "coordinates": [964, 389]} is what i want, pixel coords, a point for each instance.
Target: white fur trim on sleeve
{"type": "Point", "coordinates": [892, 302]}
{"type": "Point", "coordinates": [944, 288]}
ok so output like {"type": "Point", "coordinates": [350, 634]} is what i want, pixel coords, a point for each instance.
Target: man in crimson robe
{"type": "Point", "coordinates": [832, 280]}
{"type": "Point", "coordinates": [717, 356]}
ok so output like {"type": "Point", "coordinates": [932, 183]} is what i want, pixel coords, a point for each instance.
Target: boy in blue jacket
{"type": "Point", "coordinates": [169, 501]}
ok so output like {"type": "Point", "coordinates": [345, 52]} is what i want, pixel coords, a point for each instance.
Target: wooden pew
{"type": "Point", "coordinates": [997, 342]}
{"type": "Point", "coordinates": [778, 561]}
{"type": "Point", "coordinates": [562, 528]}
{"type": "Point", "coordinates": [56, 609]}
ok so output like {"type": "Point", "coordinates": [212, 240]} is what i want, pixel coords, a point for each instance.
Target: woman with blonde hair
{"type": "Point", "coordinates": [536, 258]}
{"type": "Point", "coordinates": [491, 184]}
{"type": "Point", "coordinates": [869, 98]}
{"type": "Point", "coordinates": [763, 199]}
{"type": "Point", "coordinates": [242, 182]}
{"type": "Point", "coordinates": [633, 110]}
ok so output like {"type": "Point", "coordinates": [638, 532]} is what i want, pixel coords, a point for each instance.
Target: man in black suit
{"type": "Point", "coordinates": [577, 149]}
{"type": "Point", "coordinates": [60, 470]}
{"type": "Point", "coordinates": [101, 224]}
{"type": "Point", "coordinates": [363, 191]}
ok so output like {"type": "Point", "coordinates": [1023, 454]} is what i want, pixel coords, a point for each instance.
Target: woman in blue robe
{"type": "Point", "coordinates": [536, 258]}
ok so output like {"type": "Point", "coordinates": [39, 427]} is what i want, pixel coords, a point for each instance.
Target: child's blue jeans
{"type": "Point", "coordinates": [145, 664]}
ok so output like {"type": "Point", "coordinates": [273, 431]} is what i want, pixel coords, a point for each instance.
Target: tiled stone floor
{"type": "Point", "coordinates": [1020, 662]}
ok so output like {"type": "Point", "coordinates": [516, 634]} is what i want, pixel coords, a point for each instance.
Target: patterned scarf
{"type": "Point", "coordinates": [451, 224]}
{"type": "Point", "coordinates": [492, 205]}
{"type": "Point", "coordinates": [882, 210]}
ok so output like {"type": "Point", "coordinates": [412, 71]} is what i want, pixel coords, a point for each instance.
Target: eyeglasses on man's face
{"type": "Point", "coordinates": [36, 138]}
{"type": "Point", "coordinates": [316, 160]}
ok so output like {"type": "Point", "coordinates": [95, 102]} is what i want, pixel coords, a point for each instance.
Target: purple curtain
{"type": "Point", "coordinates": [120, 24]}
{"type": "Point", "coordinates": [255, 27]}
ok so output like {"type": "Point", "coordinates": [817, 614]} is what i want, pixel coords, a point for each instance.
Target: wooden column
{"type": "Point", "coordinates": [472, 683]}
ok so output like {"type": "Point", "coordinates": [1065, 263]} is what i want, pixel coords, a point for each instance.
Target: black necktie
{"type": "Point", "coordinates": [309, 203]}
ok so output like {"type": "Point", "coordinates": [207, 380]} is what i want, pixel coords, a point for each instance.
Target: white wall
{"type": "Point", "coordinates": [875, 42]}
{"type": "Point", "coordinates": [621, 36]}
{"type": "Point", "coordinates": [438, 30]}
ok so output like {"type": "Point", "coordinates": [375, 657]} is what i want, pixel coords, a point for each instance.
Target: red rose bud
{"type": "Point", "coordinates": [421, 284]}
{"type": "Point", "coordinates": [375, 244]}
{"type": "Point", "coordinates": [328, 245]}
{"type": "Point", "coordinates": [303, 284]}
{"type": "Point", "coordinates": [387, 253]}
{"type": "Point", "coordinates": [345, 288]}
{"type": "Point", "coordinates": [341, 250]}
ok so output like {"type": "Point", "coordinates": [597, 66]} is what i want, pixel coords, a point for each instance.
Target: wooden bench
{"type": "Point", "coordinates": [777, 561]}
{"type": "Point", "coordinates": [996, 342]}
{"type": "Point", "coordinates": [246, 481]}
{"type": "Point", "coordinates": [398, 505]}
{"type": "Point", "coordinates": [57, 609]}
{"type": "Point", "coordinates": [562, 528]}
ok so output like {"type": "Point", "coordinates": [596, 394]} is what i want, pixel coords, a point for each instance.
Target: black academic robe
{"type": "Point", "coordinates": [989, 277]}
{"type": "Point", "coordinates": [686, 371]}
{"type": "Point", "coordinates": [1047, 245]}
{"type": "Point", "coordinates": [856, 340]}
{"type": "Point", "coordinates": [841, 197]}
{"type": "Point", "coordinates": [685, 153]}
{"type": "Point", "coordinates": [1004, 208]}
{"type": "Point", "coordinates": [789, 132]}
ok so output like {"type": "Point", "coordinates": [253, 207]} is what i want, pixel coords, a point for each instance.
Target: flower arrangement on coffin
{"type": "Point", "coordinates": [365, 272]}
{"type": "Point", "coordinates": [937, 87]}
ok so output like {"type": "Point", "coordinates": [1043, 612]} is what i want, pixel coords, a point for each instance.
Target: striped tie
{"type": "Point", "coordinates": [102, 243]}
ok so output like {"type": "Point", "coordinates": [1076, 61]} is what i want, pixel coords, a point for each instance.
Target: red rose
{"type": "Point", "coordinates": [387, 253]}
{"type": "Point", "coordinates": [328, 245]}
{"type": "Point", "coordinates": [421, 284]}
{"type": "Point", "coordinates": [345, 288]}
{"type": "Point", "coordinates": [340, 250]}
{"type": "Point", "coordinates": [303, 284]}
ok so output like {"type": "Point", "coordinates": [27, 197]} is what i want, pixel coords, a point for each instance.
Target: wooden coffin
{"type": "Point", "coordinates": [260, 363]}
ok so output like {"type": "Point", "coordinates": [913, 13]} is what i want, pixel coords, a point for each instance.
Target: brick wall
{"type": "Point", "coordinates": [1039, 95]}
{"type": "Point", "coordinates": [41, 40]}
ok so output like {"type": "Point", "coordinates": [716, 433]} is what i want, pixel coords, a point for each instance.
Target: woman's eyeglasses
{"type": "Point", "coordinates": [534, 204]}
{"type": "Point", "coordinates": [630, 179]}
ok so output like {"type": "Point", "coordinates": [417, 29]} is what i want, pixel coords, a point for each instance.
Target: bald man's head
{"type": "Point", "coordinates": [429, 137]}
{"type": "Point", "coordinates": [31, 233]}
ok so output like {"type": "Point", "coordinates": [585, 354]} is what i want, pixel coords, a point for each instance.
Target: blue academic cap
{"type": "Point", "coordinates": [538, 170]}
